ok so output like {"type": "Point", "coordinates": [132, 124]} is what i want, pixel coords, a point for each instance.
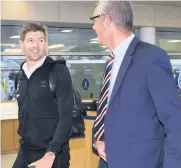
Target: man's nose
{"type": "Point", "coordinates": [35, 44]}
{"type": "Point", "coordinates": [93, 27]}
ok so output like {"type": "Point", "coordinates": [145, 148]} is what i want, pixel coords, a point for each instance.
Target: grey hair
{"type": "Point", "coordinates": [120, 12]}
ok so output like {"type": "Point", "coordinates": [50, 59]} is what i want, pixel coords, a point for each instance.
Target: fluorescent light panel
{"type": "Point", "coordinates": [66, 31]}
{"type": "Point", "coordinates": [94, 42]}
{"type": "Point", "coordinates": [103, 46]}
{"type": "Point", "coordinates": [8, 45]}
{"type": "Point", "coordinates": [65, 50]}
{"type": "Point", "coordinates": [17, 36]}
{"type": "Point", "coordinates": [12, 50]}
{"type": "Point", "coordinates": [174, 41]}
{"type": "Point", "coordinates": [95, 39]}
{"type": "Point", "coordinates": [55, 46]}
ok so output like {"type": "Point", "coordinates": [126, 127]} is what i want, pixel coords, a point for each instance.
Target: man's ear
{"type": "Point", "coordinates": [107, 22]}
{"type": "Point", "coordinates": [21, 44]}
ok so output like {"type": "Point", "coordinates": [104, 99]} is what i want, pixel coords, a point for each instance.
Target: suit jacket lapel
{"type": "Point", "coordinates": [124, 66]}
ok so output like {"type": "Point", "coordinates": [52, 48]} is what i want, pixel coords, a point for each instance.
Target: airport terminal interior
{"type": "Point", "coordinates": [71, 37]}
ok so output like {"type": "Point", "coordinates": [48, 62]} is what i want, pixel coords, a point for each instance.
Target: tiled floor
{"type": "Point", "coordinates": [7, 160]}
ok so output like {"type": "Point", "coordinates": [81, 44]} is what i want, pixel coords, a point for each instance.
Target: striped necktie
{"type": "Point", "coordinates": [103, 101]}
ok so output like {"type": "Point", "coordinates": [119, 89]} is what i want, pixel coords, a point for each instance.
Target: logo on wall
{"type": "Point", "coordinates": [85, 84]}
{"type": "Point", "coordinates": [179, 81]}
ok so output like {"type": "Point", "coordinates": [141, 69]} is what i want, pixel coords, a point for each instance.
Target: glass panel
{"type": "Point", "coordinates": [10, 65]}
{"type": "Point", "coordinates": [176, 68]}
{"type": "Point", "coordinates": [169, 41]}
{"type": "Point", "coordinates": [10, 38]}
{"type": "Point", "coordinates": [86, 73]}
{"type": "Point", "coordinates": [73, 40]}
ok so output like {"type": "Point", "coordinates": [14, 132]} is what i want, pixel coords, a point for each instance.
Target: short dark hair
{"type": "Point", "coordinates": [31, 27]}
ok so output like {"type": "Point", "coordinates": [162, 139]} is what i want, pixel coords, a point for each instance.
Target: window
{"type": "Point", "coordinates": [10, 65]}
{"type": "Point", "coordinates": [86, 73]}
{"type": "Point", "coordinates": [10, 39]}
{"type": "Point", "coordinates": [169, 41]}
{"type": "Point", "coordinates": [86, 70]}
{"type": "Point", "coordinates": [176, 69]}
{"type": "Point", "coordinates": [73, 40]}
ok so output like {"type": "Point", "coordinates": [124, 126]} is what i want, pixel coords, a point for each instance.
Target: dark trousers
{"type": "Point", "coordinates": [26, 157]}
{"type": "Point", "coordinates": [102, 164]}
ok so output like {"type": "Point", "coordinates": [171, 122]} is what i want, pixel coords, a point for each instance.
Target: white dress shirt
{"type": "Point", "coordinates": [119, 53]}
{"type": "Point", "coordinates": [29, 72]}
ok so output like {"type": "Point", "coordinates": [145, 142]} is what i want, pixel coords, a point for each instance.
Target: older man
{"type": "Point", "coordinates": [138, 122]}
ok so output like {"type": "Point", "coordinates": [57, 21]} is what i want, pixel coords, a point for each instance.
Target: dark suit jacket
{"type": "Point", "coordinates": [143, 121]}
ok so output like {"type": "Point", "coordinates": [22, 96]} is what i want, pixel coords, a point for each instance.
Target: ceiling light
{"type": "Point", "coordinates": [8, 45]}
{"type": "Point", "coordinates": [174, 41]}
{"type": "Point", "coordinates": [94, 42]}
{"type": "Point", "coordinates": [64, 50]}
{"type": "Point", "coordinates": [12, 50]}
{"type": "Point", "coordinates": [15, 36]}
{"type": "Point", "coordinates": [95, 39]}
{"type": "Point", "coordinates": [55, 46]}
{"type": "Point", "coordinates": [14, 45]}
{"type": "Point", "coordinates": [103, 46]}
{"type": "Point", "coordinates": [66, 31]}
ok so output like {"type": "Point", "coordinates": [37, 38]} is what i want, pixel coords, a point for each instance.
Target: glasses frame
{"type": "Point", "coordinates": [97, 16]}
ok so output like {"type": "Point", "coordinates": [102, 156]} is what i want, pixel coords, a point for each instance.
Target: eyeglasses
{"type": "Point", "coordinates": [94, 17]}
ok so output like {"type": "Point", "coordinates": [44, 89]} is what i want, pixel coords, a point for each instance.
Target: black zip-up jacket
{"type": "Point", "coordinates": [43, 123]}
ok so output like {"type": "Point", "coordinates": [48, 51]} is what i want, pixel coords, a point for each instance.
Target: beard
{"type": "Point", "coordinates": [35, 56]}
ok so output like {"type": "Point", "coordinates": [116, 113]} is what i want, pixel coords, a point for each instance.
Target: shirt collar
{"type": "Point", "coordinates": [39, 64]}
{"type": "Point", "coordinates": [123, 46]}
